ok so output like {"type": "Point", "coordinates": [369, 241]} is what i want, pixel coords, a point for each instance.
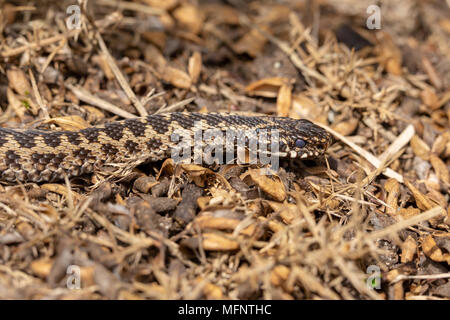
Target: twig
{"type": "Point", "coordinates": [391, 153]}
{"type": "Point", "coordinates": [132, 6]}
{"type": "Point", "coordinates": [175, 106]}
{"type": "Point", "coordinates": [41, 43]}
{"type": "Point", "coordinates": [151, 95]}
{"type": "Point", "coordinates": [422, 297]}
{"type": "Point", "coordinates": [38, 96]}
{"type": "Point", "coordinates": [52, 55]}
{"type": "Point", "coordinates": [404, 138]}
{"type": "Point", "coordinates": [424, 276]}
{"type": "Point", "coordinates": [427, 215]}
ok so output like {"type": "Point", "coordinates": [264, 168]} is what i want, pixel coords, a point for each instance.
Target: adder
{"type": "Point", "coordinates": [40, 155]}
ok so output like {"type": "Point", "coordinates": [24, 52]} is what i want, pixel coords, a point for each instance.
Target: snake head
{"type": "Point", "coordinates": [303, 140]}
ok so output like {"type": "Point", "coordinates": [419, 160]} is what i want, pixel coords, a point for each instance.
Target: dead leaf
{"type": "Point", "coordinates": [432, 74]}
{"type": "Point", "coordinates": [203, 202]}
{"type": "Point", "coordinates": [18, 81]}
{"type": "Point", "coordinates": [166, 4]}
{"type": "Point", "coordinates": [25, 229]}
{"type": "Point", "coordinates": [211, 291]}
{"type": "Point", "coordinates": [212, 242]}
{"type": "Point", "coordinates": [195, 66]}
{"type": "Point", "coordinates": [409, 248]}
{"type": "Point", "coordinates": [275, 226]}
{"type": "Point", "coordinates": [199, 175]}
{"type": "Point", "coordinates": [268, 87]}
{"type": "Point", "coordinates": [430, 99]}
{"type": "Point", "coordinates": [442, 144]}
{"type": "Point", "coordinates": [17, 105]}
{"type": "Point", "coordinates": [287, 211]}
{"type": "Point", "coordinates": [409, 212]}
{"type": "Point", "coordinates": [389, 54]}
{"type": "Point", "coordinates": [216, 242]}
{"type": "Point", "coordinates": [158, 38]}
{"type": "Point", "coordinates": [41, 267]}
{"type": "Point", "coordinates": [176, 77]}
{"type": "Point", "coordinates": [284, 100]}
{"type": "Point", "coordinates": [61, 190]}
{"type": "Point", "coordinates": [279, 275]}
{"type": "Point", "coordinates": [431, 249]}
{"type": "Point", "coordinates": [102, 62]}
{"type": "Point", "coordinates": [228, 14]}
{"type": "Point", "coordinates": [440, 168]}
{"type": "Point", "coordinates": [346, 127]}
{"type": "Point", "coordinates": [420, 148]}
{"type": "Point", "coordinates": [304, 107]}
{"type": "Point", "coordinates": [71, 123]}
{"type": "Point", "coordinates": [9, 13]}
{"type": "Point", "coordinates": [392, 187]}
{"type": "Point", "coordinates": [220, 223]}
{"type": "Point", "coordinates": [190, 17]}
{"type": "Point", "coordinates": [168, 167]}
{"type": "Point", "coordinates": [252, 43]}
{"type": "Point", "coordinates": [422, 201]}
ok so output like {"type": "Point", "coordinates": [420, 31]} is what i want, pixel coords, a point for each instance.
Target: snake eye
{"type": "Point", "coordinates": [299, 143]}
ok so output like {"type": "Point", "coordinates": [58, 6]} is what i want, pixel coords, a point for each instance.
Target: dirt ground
{"type": "Point", "coordinates": [369, 221]}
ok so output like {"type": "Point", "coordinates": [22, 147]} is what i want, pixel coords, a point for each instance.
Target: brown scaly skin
{"type": "Point", "coordinates": [39, 156]}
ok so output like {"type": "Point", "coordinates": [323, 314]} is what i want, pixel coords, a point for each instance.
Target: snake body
{"type": "Point", "coordinates": [42, 155]}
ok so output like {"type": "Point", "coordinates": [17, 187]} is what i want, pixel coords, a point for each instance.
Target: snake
{"type": "Point", "coordinates": [32, 155]}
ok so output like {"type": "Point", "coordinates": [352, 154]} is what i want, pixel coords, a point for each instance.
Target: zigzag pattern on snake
{"type": "Point", "coordinates": [40, 155]}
